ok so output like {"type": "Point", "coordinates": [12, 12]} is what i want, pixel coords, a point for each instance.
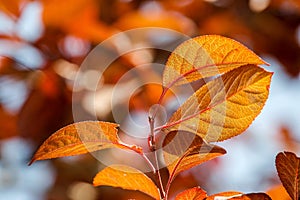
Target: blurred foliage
{"type": "Point", "coordinates": [71, 28]}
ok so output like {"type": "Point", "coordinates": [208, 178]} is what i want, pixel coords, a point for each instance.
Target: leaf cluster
{"type": "Point", "coordinates": [222, 108]}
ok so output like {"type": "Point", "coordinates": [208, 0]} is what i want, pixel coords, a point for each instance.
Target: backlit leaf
{"type": "Point", "coordinates": [225, 106]}
{"type": "Point", "coordinates": [195, 193]}
{"type": "Point", "coordinates": [127, 178]}
{"type": "Point", "coordinates": [183, 150]}
{"type": "Point", "coordinates": [206, 56]}
{"type": "Point", "coordinates": [81, 138]}
{"type": "Point", "coordinates": [278, 193]}
{"type": "Point", "coordinates": [288, 168]}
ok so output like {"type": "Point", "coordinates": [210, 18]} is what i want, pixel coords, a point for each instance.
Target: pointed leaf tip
{"type": "Point", "coordinates": [183, 150]}
{"type": "Point", "coordinates": [80, 138]}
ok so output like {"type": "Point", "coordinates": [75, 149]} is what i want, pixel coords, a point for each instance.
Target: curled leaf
{"type": "Point", "coordinates": [195, 193]}
{"type": "Point", "coordinates": [127, 178]}
{"type": "Point", "coordinates": [206, 56]}
{"type": "Point", "coordinates": [225, 106]}
{"type": "Point", "coordinates": [80, 138]}
{"type": "Point", "coordinates": [183, 150]}
{"type": "Point", "coordinates": [288, 168]}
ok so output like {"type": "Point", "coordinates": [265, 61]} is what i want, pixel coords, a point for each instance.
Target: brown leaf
{"type": "Point", "coordinates": [81, 138]}
{"type": "Point", "coordinates": [279, 4]}
{"type": "Point", "coordinates": [239, 196]}
{"type": "Point", "coordinates": [48, 104]}
{"type": "Point", "coordinates": [183, 150]}
{"type": "Point", "coordinates": [206, 56]}
{"type": "Point", "coordinates": [229, 194]}
{"type": "Point", "coordinates": [288, 168]}
{"type": "Point", "coordinates": [195, 193]}
{"type": "Point", "coordinates": [253, 196]}
{"type": "Point", "coordinates": [8, 126]}
{"type": "Point", "coordinates": [127, 178]}
{"type": "Point", "coordinates": [225, 106]}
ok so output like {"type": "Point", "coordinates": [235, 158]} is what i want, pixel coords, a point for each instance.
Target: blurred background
{"type": "Point", "coordinates": [43, 43]}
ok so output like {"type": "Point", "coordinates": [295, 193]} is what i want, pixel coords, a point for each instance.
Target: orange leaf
{"type": "Point", "coordinates": [184, 150]}
{"type": "Point", "coordinates": [278, 193]}
{"type": "Point", "coordinates": [288, 168]}
{"type": "Point", "coordinates": [195, 193]}
{"type": "Point", "coordinates": [11, 7]}
{"type": "Point", "coordinates": [68, 9]}
{"type": "Point", "coordinates": [148, 96]}
{"type": "Point", "coordinates": [81, 138]}
{"type": "Point", "coordinates": [225, 106]}
{"type": "Point", "coordinates": [79, 18]}
{"type": "Point", "coordinates": [127, 178]}
{"type": "Point", "coordinates": [206, 56]}
{"type": "Point", "coordinates": [162, 18]}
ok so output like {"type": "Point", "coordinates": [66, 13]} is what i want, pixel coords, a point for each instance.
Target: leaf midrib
{"type": "Point", "coordinates": [209, 108]}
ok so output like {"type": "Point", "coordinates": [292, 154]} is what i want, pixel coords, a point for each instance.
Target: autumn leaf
{"type": "Point", "coordinates": [206, 56]}
{"type": "Point", "coordinates": [162, 18]}
{"type": "Point", "coordinates": [288, 168]}
{"type": "Point", "coordinates": [148, 96]}
{"type": "Point", "coordinates": [81, 138]}
{"type": "Point", "coordinates": [8, 127]}
{"type": "Point", "coordinates": [195, 193]}
{"type": "Point", "coordinates": [183, 150]}
{"type": "Point", "coordinates": [70, 9]}
{"type": "Point", "coordinates": [225, 106]}
{"type": "Point", "coordinates": [127, 178]}
{"type": "Point", "coordinates": [11, 7]}
{"type": "Point", "coordinates": [278, 193]}
{"type": "Point", "coordinates": [252, 196]}
{"type": "Point", "coordinates": [228, 194]}
{"type": "Point", "coordinates": [79, 18]}
{"type": "Point", "coordinates": [238, 196]}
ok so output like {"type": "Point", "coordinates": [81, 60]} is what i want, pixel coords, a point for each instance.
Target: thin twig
{"type": "Point", "coordinates": [159, 175]}
{"type": "Point", "coordinates": [172, 175]}
{"type": "Point", "coordinates": [149, 163]}
{"type": "Point", "coordinates": [152, 147]}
